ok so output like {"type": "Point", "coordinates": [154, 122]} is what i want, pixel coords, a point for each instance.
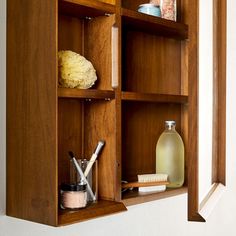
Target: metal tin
{"type": "Point", "coordinates": [150, 9]}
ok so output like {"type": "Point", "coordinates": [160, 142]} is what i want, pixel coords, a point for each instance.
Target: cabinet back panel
{"type": "Point", "coordinates": [70, 133]}
{"type": "Point", "coordinates": [92, 39]}
{"type": "Point", "coordinates": [142, 125]}
{"type": "Point", "coordinates": [70, 33]}
{"type": "Point", "coordinates": [133, 4]}
{"type": "Point", "coordinates": [151, 64]}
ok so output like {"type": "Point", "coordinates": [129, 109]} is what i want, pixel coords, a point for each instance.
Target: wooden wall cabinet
{"type": "Point", "coordinates": [152, 62]}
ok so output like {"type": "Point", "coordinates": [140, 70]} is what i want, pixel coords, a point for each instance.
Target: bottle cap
{"type": "Point", "coordinates": [170, 122]}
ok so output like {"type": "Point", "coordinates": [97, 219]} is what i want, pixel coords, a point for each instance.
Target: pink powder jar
{"type": "Point", "coordinates": [73, 196]}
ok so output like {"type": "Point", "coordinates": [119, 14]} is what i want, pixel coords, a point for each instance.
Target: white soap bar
{"type": "Point", "coordinates": [149, 189]}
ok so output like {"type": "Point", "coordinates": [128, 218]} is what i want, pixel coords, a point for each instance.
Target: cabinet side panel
{"type": "Point", "coordinates": [31, 110]}
{"type": "Point", "coordinates": [98, 48]}
{"type": "Point", "coordinates": [99, 124]}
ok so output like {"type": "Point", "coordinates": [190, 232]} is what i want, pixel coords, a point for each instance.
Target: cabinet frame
{"type": "Point", "coordinates": [33, 100]}
{"type": "Point", "coordinates": [199, 211]}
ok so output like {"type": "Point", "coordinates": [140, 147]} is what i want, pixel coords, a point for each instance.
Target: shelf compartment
{"type": "Point", "coordinates": [134, 197]}
{"type": "Point", "coordinates": [79, 35]}
{"type": "Point", "coordinates": [101, 208]}
{"type": "Point", "coordinates": [154, 25]}
{"type": "Point", "coordinates": [81, 125]}
{"type": "Point", "coordinates": [151, 63]}
{"type": "Point", "coordinates": [85, 93]}
{"type": "Point", "coordinates": [85, 8]}
{"type": "Point", "coordinates": [142, 125]}
{"type": "Point", "coordinates": [152, 97]}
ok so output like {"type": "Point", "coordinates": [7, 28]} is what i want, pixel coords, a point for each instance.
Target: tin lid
{"type": "Point", "coordinates": [149, 5]}
{"type": "Point", "coordinates": [73, 187]}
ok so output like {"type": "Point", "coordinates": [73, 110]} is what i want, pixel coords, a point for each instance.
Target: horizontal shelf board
{"type": "Point", "coordinates": [152, 97]}
{"type": "Point", "coordinates": [101, 208]}
{"type": "Point", "coordinates": [85, 8]}
{"type": "Point", "coordinates": [86, 93]}
{"type": "Point", "coordinates": [134, 197]}
{"type": "Point", "coordinates": [154, 25]}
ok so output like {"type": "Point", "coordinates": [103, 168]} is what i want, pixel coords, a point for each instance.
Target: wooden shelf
{"type": "Point", "coordinates": [134, 197]}
{"type": "Point", "coordinates": [152, 97]}
{"type": "Point", "coordinates": [154, 25]}
{"type": "Point", "coordinates": [101, 208]}
{"type": "Point", "coordinates": [85, 8]}
{"type": "Point", "coordinates": [86, 93]}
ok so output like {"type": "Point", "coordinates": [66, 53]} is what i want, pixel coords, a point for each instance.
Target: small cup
{"type": "Point", "coordinates": [92, 177]}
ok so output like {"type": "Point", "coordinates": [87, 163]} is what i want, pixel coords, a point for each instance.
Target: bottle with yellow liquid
{"type": "Point", "coordinates": [170, 155]}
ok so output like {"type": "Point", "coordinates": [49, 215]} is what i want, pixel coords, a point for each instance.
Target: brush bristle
{"type": "Point", "coordinates": [71, 154]}
{"type": "Point", "coordinates": [152, 178]}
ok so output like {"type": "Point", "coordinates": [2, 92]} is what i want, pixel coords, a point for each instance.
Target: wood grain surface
{"type": "Point", "coordinates": [157, 76]}
{"type": "Point", "coordinates": [153, 25]}
{"type": "Point", "coordinates": [98, 209]}
{"type": "Point", "coordinates": [134, 197]}
{"type": "Point", "coordinates": [151, 64]}
{"type": "Point", "coordinates": [32, 110]}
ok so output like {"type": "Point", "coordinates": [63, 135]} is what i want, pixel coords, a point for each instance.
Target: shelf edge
{"type": "Point", "coordinates": [86, 93]}
{"type": "Point", "coordinates": [103, 208]}
{"type": "Point", "coordinates": [151, 97]}
{"type": "Point", "coordinates": [154, 196]}
{"type": "Point", "coordinates": [167, 28]}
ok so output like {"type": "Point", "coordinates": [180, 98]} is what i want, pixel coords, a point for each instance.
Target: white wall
{"type": "Point", "coordinates": [159, 218]}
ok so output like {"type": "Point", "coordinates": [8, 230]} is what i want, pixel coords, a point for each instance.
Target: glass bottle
{"type": "Point", "coordinates": [170, 155]}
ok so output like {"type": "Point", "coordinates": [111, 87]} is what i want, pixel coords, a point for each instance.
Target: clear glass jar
{"type": "Point", "coordinates": [91, 177]}
{"type": "Point", "coordinates": [170, 155]}
{"type": "Point", "coordinates": [73, 196]}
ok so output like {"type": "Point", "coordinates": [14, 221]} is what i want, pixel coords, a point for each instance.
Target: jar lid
{"type": "Point", "coordinates": [73, 187]}
{"type": "Point", "coordinates": [149, 5]}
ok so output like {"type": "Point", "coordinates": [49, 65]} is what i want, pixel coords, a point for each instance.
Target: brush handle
{"type": "Point", "coordinates": [90, 164]}
{"type": "Point", "coordinates": [94, 157]}
{"type": "Point", "coordinates": [99, 147]}
{"type": "Point", "coordinates": [145, 184]}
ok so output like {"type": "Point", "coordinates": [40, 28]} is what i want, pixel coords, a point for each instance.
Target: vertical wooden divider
{"type": "Point", "coordinates": [100, 121]}
{"type": "Point", "coordinates": [118, 163]}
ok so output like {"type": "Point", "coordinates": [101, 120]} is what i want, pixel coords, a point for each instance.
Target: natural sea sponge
{"type": "Point", "coordinates": [75, 71]}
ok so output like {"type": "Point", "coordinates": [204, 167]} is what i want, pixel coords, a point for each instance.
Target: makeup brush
{"type": "Point", "coordinates": [98, 149]}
